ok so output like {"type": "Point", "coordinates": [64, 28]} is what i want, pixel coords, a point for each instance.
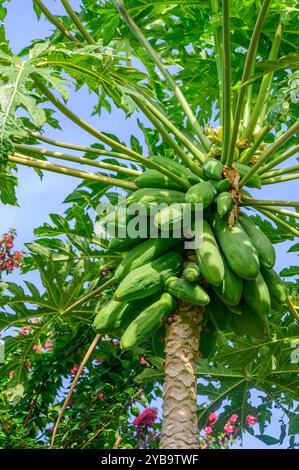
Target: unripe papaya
{"type": "Point", "coordinates": [222, 185]}
{"type": "Point", "coordinates": [192, 272]}
{"type": "Point", "coordinates": [172, 217]}
{"type": "Point", "coordinates": [219, 313]}
{"type": "Point", "coordinates": [176, 168]}
{"type": "Point", "coordinates": [212, 169]}
{"type": "Point", "coordinates": [148, 321]}
{"type": "Point", "coordinates": [123, 244]}
{"type": "Point", "coordinates": [257, 296]}
{"type": "Point", "coordinates": [230, 290]}
{"type": "Point", "coordinates": [250, 323]}
{"type": "Point", "coordinates": [254, 181]}
{"type": "Point", "coordinates": [238, 250]}
{"type": "Point", "coordinates": [276, 288]}
{"type": "Point", "coordinates": [114, 315]}
{"type": "Point", "coordinates": [224, 203]}
{"type": "Point", "coordinates": [203, 193]}
{"type": "Point", "coordinates": [149, 278]}
{"type": "Point", "coordinates": [155, 179]}
{"type": "Point", "coordinates": [261, 242]}
{"type": "Point", "coordinates": [143, 253]}
{"type": "Point", "coordinates": [185, 290]}
{"type": "Point", "coordinates": [147, 196]}
{"type": "Point", "coordinates": [209, 258]}
{"type": "Point", "coordinates": [208, 339]}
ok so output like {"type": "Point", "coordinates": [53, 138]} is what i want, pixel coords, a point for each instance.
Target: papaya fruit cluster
{"type": "Point", "coordinates": [230, 274]}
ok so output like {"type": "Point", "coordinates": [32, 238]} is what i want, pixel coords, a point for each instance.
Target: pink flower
{"type": "Point", "coordinates": [11, 374]}
{"type": "Point", "coordinates": [25, 330]}
{"type": "Point", "coordinates": [208, 430]}
{"type": "Point", "coordinates": [143, 362]}
{"type": "Point", "coordinates": [100, 396]}
{"type": "Point", "coordinates": [233, 419]}
{"type": "Point", "coordinates": [230, 429]}
{"type": "Point", "coordinates": [48, 345]}
{"type": "Point", "coordinates": [98, 362]}
{"type": "Point", "coordinates": [145, 419]}
{"type": "Point", "coordinates": [37, 348]}
{"type": "Point", "coordinates": [74, 369]}
{"type": "Point", "coordinates": [35, 320]}
{"type": "Point", "coordinates": [115, 342]}
{"type": "Point", "coordinates": [212, 418]}
{"type": "Point", "coordinates": [251, 420]}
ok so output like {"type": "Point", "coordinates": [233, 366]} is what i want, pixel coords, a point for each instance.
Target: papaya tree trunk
{"type": "Point", "coordinates": [180, 427]}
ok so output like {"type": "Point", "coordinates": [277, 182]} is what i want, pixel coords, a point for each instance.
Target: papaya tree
{"type": "Point", "coordinates": [214, 88]}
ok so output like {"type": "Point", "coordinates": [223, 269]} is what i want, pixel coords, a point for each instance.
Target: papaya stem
{"type": "Point", "coordinates": [226, 78]}
{"type": "Point", "coordinates": [161, 116]}
{"type": "Point", "coordinates": [99, 135]}
{"type": "Point", "coordinates": [75, 159]}
{"type": "Point", "coordinates": [77, 22]}
{"type": "Point", "coordinates": [279, 221]}
{"type": "Point", "coordinates": [218, 55]}
{"type": "Point", "coordinates": [159, 126]}
{"type": "Point", "coordinates": [64, 170]}
{"type": "Point", "coordinates": [171, 82]}
{"type": "Point", "coordinates": [269, 151]}
{"type": "Point", "coordinates": [265, 86]}
{"type": "Point", "coordinates": [281, 179]}
{"type": "Point", "coordinates": [59, 25]}
{"type": "Point", "coordinates": [90, 295]}
{"type": "Point", "coordinates": [281, 211]}
{"type": "Point", "coordinates": [74, 383]}
{"type": "Point", "coordinates": [58, 143]}
{"type": "Point", "coordinates": [284, 156]}
{"type": "Point", "coordinates": [250, 56]}
{"type": "Point", "coordinates": [281, 171]}
{"type": "Point", "coordinates": [260, 202]}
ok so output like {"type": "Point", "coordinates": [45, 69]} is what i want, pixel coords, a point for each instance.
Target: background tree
{"type": "Point", "coordinates": [233, 62]}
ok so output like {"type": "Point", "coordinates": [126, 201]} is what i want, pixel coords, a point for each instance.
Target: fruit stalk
{"type": "Point", "coordinates": [180, 428]}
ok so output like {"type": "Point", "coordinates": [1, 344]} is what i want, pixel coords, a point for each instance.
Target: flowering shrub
{"type": "Point", "coordinates": [145, 419]}
{"type": "Point", "coordinates": [229, 434]}
{"type": "Point", "coordinates": [9, 260]}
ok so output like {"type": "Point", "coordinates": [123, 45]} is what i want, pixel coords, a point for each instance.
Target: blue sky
{"type": "Point", "coordinates": [39, 198]}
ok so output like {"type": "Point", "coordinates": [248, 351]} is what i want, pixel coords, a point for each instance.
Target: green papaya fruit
{"type": "Point", "coordinates": [192, 272]}
{"type": "Point", "coordinates": [256, 295]}
{"type": "Point", "coordinates": [276, 288]}
{"type": "Point", "coordinates": [222, 185]}
{"type": "Point", "coordinates": [155, 179]}
{"type": "Point", "coordinates": [230, 289]}
{"type": "Point", "coordinates": [253, 182]}
{"type": "Point", "coordinates": [250, 323]}
{"type": "Point", "coordinates": [202, 193]}
{"type": "Point", "coordinates": [209, 258]}
{"type": "Point", "coordinates": [176, 168]}
{"type": "Point", "coordinates": [224, 203]}
{"type": "Point", "coordinates": [208, 339]}
{"type": "Point", "coordinates": [219, 313]}
{"type": "Point", "coordinates": [238, 250]}
{"type": "Point", "coordinates": [149, 278]}
{"type": "Point", "coordinates": [114, 315]}
{"type": "Point", "coordinates": [261, 242]}
{"type": "Point", "coordinates": [143, 253]}
{"type": "Point", "coordinates": [185, 290]}
{"type": "Point", "coordinates": [212, 169]}
{"type": "Point", "coordinates": [148, 196]}
{"type": "Point", "coordinates": [148, 321]}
